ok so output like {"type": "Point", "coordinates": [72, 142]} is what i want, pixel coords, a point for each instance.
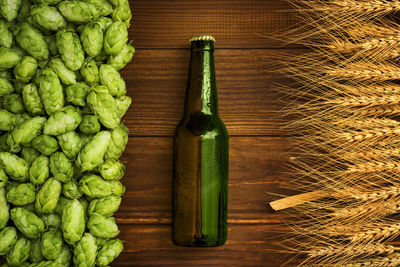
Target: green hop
{"type": "Point", "coordinates": [3, 178]}
{"type": "Point", "coordinates": [31, 98]}
{"type": "Point", "coordinates": [90, 124]}
{"type": "Point", "coordinates": [13, 103]}
{"type": "Point", "coordinates": [71, 190]}
{"type": "Point", "coordinates": [90, 72]}
{"type": "Point", "coordinates": [62, 203]}
{"type": "Point", "coordinates": [105, 107]}
{"type": "Point", "coordinates": [123, 104]}
{"type": "Point", "coordinates": [92, 39]}
{"type": "Point", "coordinates": [85, 251]}
{"type": "Point", "coordinates": [66, 75]}
{"type": "Point", "coordinates": [119, 139]}
{"type": "Point", "coordinates": [9, 9]}
{"type": "Point", "coordinates": [8, 58]}
{"type": "Point", "coordinates": [92, 154]}
{"type": "Point", "coordinates": [8, 237]}
{"type": "Point", "coordinates": [48, 195]}
{"type": "Point", "coordinates": [70, 49]}
{"type": "Point", "coordinates": [112, 170]}
{"type": "Point", "coordinates": [25, 132]}
{"type": "Point", "coordinates": [61, 167]}
{"type": "Point", "coordinates": [63, 120]}
{"type": "Point", "coordinates": [32, 41]}
{"type": "Point", "coordinates": [122, 12]}
{"type": "Point", "coordinates": [105, 206]}
{"type": "Point", "coordinates": [15, 167]}
{"type": "Point", "coordinates": [24, 11]}
{"type": "Point", "coordinates": [48, 17]}
{"type": "Point", "coordinates": [73, 221]}
{"type": "Point", "coordinates": [76, 94]}
{"type": "Point", "coordinates": [25, 69]}
{"type": "Point", "coordinates": [70, 143]}
{"type": "Point", "coordinates": [35, 255]}
{"type": "Point", "coordinates": [103, 6]}
{"type": "Point", "coordinates": [51, 221]}
{"type": "Point", "coordinates": [109, 252]}
{"type": "Point", "coordinates": [5, 214]}
{"type": "Point", "coordinates": [19, 253]}
{"type": "Point", "coordinates": [50, 91]}
{"type": "Point", "coordinates": [5, 87]}
{"type": "Point", "coordinates": [6, 36]}
{"type": "Point", "coordinates": [46, 144]}
{"type": "Point", "coordinates": [78, 11]}
{"type": "Point", "coordinates": [3, 143]}
{"type": "Point", "coordinates": [120, 60]}
{"type": "Point", "coordinates": [111, 78]}
{"type": "Point", "coordinates": [21, 195]}
{"type": "Point", "coordinates": [29, 154]}
{"type": "Point", "coordinates": [101, 226]}
{"type": "Point", "coordinates": [65, 257]}
{"type": "Point", "coordinates": [95, 187]}
{"type": "Point", "coordinates": [51, 44]}
{"type": "Point", "coordinates": [51, 244]}
{"type": "Point", "coordinates": [27, 222]}
{"type": "Point", "coordinates": [104, 23]}
{"type": "Point", "coordinates": [7, 120]}
{"type": "Point", "coordinates": [39, 170]}
{"type": "Point", "coordinates": [115, 38]}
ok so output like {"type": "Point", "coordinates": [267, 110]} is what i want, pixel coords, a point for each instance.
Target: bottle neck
{"type": "Point", "coordinates": [201, 94]}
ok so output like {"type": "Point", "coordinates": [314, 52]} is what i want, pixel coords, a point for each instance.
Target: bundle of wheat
{"type": "Point", "coordinates": [347, 157]}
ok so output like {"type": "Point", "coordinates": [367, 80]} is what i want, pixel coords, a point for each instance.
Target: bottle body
{"type": "Point", "coordinates": [201, 161]}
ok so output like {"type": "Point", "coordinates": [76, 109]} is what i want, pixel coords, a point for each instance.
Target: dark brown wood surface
{"type": "Point", "coordinates": [246, 57]}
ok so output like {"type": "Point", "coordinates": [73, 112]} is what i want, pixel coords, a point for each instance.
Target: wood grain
{"type": "Point", "coordinates": [234, 23]}
{"type": "Point", "coordinates": [255, 163]}
{"type": "Point", "coordinates": [247, 245]}
{"type": "Point", "coordinates": [247, 81]}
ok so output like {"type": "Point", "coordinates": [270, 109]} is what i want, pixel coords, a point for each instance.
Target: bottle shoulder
{"type": "Point", "coordinates": [200, 123]}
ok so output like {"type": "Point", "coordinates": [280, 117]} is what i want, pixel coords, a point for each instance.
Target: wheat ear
{"type": "Point", "coordinates": [366, 72]}
{"type": "Point", "coordinates": [370, 134]}
{"type": "Point", "coordinates": [392, 260]}
{"type": "Point", "coordinates": [375, 208]}
{"type": "Point", "coordinates": [367, 6]}
{"type": "Point", "coordinates": [379, 233]}
{"type": "Point", "coordinates": [365, 101]}
{"type": "Point", "coordinates": [351, 251]}
{"type": "Point", "coordinates": [374, 166]}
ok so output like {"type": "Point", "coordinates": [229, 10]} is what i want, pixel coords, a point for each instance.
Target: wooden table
{"type": "Point", "coordinates": [156, 79]}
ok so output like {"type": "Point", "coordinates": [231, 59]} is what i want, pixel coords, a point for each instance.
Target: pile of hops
{"type": "Point", "coordinates": [62, 99]}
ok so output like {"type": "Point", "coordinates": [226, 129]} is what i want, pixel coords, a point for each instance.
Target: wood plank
{"type": "Point", "coordinates": [246, 80]}
{"type": "Point", "coordinates": [151, 245]}
{"type": "Point", "coordinates": [255, 170]}
{"type": "Point", "coordinates": [234, 23]}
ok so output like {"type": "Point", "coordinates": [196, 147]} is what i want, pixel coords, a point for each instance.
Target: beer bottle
{"type": "Point", "coordinates": [200, 186]}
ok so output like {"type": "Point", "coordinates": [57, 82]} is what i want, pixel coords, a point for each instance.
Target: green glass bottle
{"type": "Point", "coordinates": [201, 155]}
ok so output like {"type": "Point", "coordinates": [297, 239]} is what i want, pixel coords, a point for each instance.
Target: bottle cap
{"type": "Point", "coordinates": [202, 38]}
